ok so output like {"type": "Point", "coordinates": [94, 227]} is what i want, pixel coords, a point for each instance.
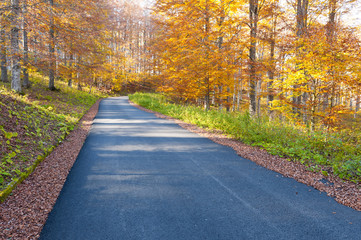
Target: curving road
{"type": "Point", "coordinates": [140, 177]}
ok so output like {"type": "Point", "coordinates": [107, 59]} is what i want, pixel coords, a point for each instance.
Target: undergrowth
{"type": "Point", "coordinates": [33, 123]}
{"type": "Point", "coordinates": [337, 153]}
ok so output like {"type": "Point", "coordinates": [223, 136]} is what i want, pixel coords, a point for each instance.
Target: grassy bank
{"type": "Point", "coordinates": [31, 125]}
{"type": "Point", "coordinates": [336, 153]}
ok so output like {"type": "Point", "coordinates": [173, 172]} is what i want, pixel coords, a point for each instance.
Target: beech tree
{"type": "Point", "coordinates": [51, 46]}
{"type": "Point", "coordinates": [4, 21]}
{"type": "Point", "coordinates": [15, 48]}
{"type": "Point", "coordinates": [4, 70]}
{"type": "Point", "coordinates": [26, 82]}
{"type": "Point", "coordinates": [253, 21]}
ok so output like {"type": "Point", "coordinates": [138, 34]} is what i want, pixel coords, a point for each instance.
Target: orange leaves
{"type": "Point", "coordinates": [195, 46]}
{"type": "Point", "coordinates": [334, 117]}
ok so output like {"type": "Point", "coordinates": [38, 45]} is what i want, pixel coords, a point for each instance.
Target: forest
{"type": "Point", "coordinates": [287, 62]}
{"type": "Point", "coordinates": [295, 59]}
{"type": "Point", "coordinates": [276, 82]}
{"type": "Point", "coordinates": [298, 60]}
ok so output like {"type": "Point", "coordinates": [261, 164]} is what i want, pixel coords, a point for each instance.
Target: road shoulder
{"type": "Point", "coordinates": [24, 212]}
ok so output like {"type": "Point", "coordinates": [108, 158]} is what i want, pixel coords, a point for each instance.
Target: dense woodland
{"type": "Point", "coordinates": [294, 59]}
{"type": "Point", "coordinates": [93, 43]}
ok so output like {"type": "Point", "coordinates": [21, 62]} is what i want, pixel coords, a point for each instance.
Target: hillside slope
{"type": "Point", "coordinates": [33, 123]}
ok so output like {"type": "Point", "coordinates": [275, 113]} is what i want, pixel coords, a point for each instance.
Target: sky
{"type": "Point", "coordinates": [144, 3]}
{"type": "Point", "coordinates": [354, 16]}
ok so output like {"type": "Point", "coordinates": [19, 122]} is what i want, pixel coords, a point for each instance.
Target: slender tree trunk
{"type": "Point", "coordinates": [253, 17]}
{"type": "Point", "coordinates": [51, 48]}
{"type": "Point", "coordinates": [26, 82]}
{"type": "Point", "coordinates": [271, 70]}
{"type": "Point", "coordinates": [78, 62]}
{"type": "Point", "coordinates": [313, 111]}
{"type": "Point", "coordinates": [240, 91]}
{"type": "Point", "coordinates": [207, 96]}
{"type": "Point", "coordinates": [351, 103]}
{"type": "Point", "coordinates": [331, 25]}
{"type": "Point", "coordinates": [357, 106]}
{"type": "Point", "coordinates": [15, 49]}
{"type": "Point", "coordinates": [234, 96]}
{"type": "Point", "coordinates": [228, 99]}
{"type": "Point", "coordinates": [70, 81]}
{"type": "Point", "coordinates": [302, 11]}
{"type": "Point", "coordinates": [220, 52]}
{"type": "Point", "coordinates": [330, 34]}
{"type": "Point", "coordinates": [4, 70]}
{"type": "Point", "coordinates": [220, 97]}
{"type": "Point", "coordinates": [206, 79]}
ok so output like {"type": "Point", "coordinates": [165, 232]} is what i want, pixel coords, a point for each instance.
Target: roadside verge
{"type": "Point", "coordinates": [25, 211]}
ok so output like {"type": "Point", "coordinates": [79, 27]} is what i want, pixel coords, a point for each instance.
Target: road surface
{"type": "Point", "coordinates": [140, 177]}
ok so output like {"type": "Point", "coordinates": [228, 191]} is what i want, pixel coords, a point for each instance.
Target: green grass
{"type": "Point", "coordinates": [337, 153]}
{"type": "Point", "coordinates": [33, 123]}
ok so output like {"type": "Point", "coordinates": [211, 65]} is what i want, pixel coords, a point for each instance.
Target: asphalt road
{"type": "Point", "coordinates": [140, 177]}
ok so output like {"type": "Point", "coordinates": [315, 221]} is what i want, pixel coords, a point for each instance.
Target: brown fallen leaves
{"type": "Point", "coordinates": [344, 192]}
{"type": "Point", "coordinates": [25, 211]}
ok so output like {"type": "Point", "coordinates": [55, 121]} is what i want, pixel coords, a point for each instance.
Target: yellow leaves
{"type": "Point", "coordinates": [195, 59]}
{"type": "Point", "coordinates": [318, 80]}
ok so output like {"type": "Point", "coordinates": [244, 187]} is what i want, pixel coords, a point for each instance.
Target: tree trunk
{"type": "Point", "coordinates": [206, 79]}
{"type": "Point", "coordinates": [331, 24]}
{"type": "Point", "coordinates": [4, 70]}
{"type": "Point", "coordinates": [351, 104]}
{"type": "Point", "coordinates": [70, 81]}
{"type": "Point", "coordinates": [220, 52]}
{"type": "Point", "coordinates": [207, 96]}
{"type": "Point", "coordinates": [357, 107]}
{"type": "Point", "coordinates": [301, 18]}
{"type": "Point", "coordinates": [253, 17]}
{"type": "Point", "coordinates": [15, 49]}
{"type": "Point", "coordinates": [271, 70]}
{"type": "Point", "coordinates": [51, 48]}
{"type": "Point", "coordinates": [302, 12]}
{"type": "Point", "coordinates": [330, 34]}
{"type": "Point", "coordinates": [239, 93]}
{"type": "Point", "coordinates": [26, 82]}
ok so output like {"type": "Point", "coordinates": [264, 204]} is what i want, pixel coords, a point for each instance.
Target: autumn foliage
{"type": "Point", "coordinates": [96, 43]}
{"type": "Point", "coordinates": [294, 60]}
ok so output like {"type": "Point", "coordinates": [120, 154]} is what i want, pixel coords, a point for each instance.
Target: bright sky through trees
{"type": "Point", "coordinates": [354, 17]}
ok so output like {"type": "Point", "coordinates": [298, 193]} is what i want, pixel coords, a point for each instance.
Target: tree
{"type": "Point", "coordinates": [253, 20]}
{"type": "Point", "coordinates": [51, 47]}
{"type": "Point", "coordinates": [4, 70]}
{"type": "Point", "coordinates": [3, 44]}
{"type": "Point", "coordinates": [26, 82]}
{"type": "Point", "coordinates": [15, 48]}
